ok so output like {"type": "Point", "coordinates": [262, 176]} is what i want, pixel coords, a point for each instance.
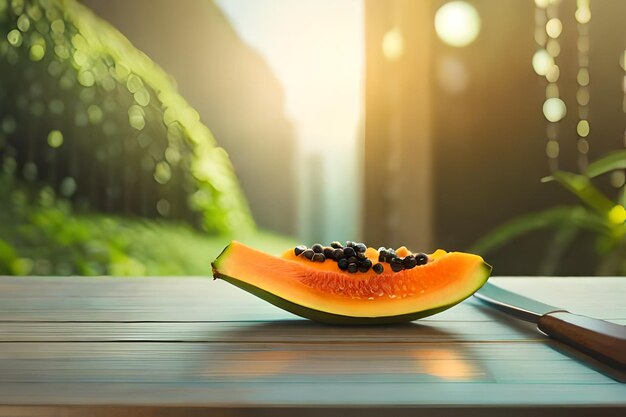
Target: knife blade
{"type": "Point", "coordinates": [600, 339]}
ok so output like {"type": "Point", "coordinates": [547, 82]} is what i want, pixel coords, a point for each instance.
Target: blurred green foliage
{"type": "Point", "coordinates": [598, 215]}
{"type": "Point", "coordinates": [94, 119]}
{"type": "Point", "coordinates": [41, 235]}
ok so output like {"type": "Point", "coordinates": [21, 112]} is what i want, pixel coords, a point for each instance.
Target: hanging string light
{"type": "Point", "coordinates": [623, 65]}
{"type": "Point", "coordinates": [583, 16]}
{"type": "Point", "coordinates": [618, 177]}
{"type": "Point", "coordinates": [548, 28]}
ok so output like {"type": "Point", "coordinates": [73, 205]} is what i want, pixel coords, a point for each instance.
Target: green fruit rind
{"type": "Point", "coordinates": [481, 276]}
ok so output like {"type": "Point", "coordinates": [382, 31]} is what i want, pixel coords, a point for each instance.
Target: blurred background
{"type": "Point", "coordinates": [139, 137]}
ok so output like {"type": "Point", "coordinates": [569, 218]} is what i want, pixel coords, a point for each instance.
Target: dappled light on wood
{"type": "Point", "coordinates": [448, 364]}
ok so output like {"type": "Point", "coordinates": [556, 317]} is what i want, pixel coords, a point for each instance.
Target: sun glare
{"type": "Point", "coordinates": [316, 51]}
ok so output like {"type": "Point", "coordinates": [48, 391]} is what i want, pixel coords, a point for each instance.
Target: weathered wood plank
{"type": "Point", "coordinates": [353, 363]}
{"type": "Point", "coordinates": [203, 299]}
{"type": "Point", "coordinates": [295, 330]}
{"type": "Point", "coordinates": [287, 394]}
{"type": "Point", "coordinates": [370, 410]}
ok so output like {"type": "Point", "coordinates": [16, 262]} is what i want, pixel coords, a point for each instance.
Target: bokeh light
{"type": "Point", "coordinates": [452, 75]}
{"type": "Point", "coordinates": [542, 62]}
{"type": "Point", "coordinates": [554, 27]}
{"type": "Point", "coordinates": [582, 96]}
{"type": "Point", "coordinates": [393, 44]}
{"type": "Point", "coordinates": [55, 138]}
{"type": "Point", "coordinates": [554, 109]}
{"type": "Point", "coordinates": [163, 207]}
{"type": "Point", "coordinates": [583, 77]}
{"type": "Point", "coordinates": [617, 215]}
{"type": "Point", "coordinates": [15, 38]}
{"type": "Point", "coordinates": [553, 74]}
{"type": "Point", "coordinates": [68, 186]}
{"type": "Point", "coordinates": [457, 23]}
{"type": "Point", "coordinates": [553, 47]}
{"type": "Point", "coordinates": [582, 146]}
{"type": "Point", "coordinates": [583, 12]}
{"type": "Point", "coordinates": [582, 128]}
{"type": "Point", "coordinates": [37, 52]}
{"type": "Point", "coordinates": [618, 178]}
{"type": "Point", "coordinates": [552, 149]}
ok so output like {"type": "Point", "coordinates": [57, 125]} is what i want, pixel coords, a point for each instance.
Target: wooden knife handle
{"type": "Point", "coordinates": [598, 338]}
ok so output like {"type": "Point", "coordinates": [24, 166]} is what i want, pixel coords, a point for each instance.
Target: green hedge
{"type": "Point", "coordinates": [40, 234]}
{"type": "Point", "coordinates": [93, 118]}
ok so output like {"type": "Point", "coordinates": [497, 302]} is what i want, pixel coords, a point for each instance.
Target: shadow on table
{"type": "Point", "coordinates": [301, 349]}
{"type": "Point", "coordinates": [300, 330]}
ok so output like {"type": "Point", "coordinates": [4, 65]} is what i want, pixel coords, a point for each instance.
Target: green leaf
{"type": "Point", "coordinates": [611, 162]}
{"type": "Point", "coordinates": [553, 217]}
{"type": "Point", "coordinates": [581, 186]}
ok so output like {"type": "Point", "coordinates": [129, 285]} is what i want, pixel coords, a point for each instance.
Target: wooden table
{"type": "Point", "coordinates": [195, 347]}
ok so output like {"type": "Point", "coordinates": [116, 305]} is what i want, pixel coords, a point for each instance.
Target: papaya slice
{"type": "Point", "coordinates": [322, 291]}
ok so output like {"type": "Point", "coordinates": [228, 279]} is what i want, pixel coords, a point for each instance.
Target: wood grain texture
{"type": "Point", "coordinates": [186, 346]}
{"type": "Point", "coordinates": [284, 330]}
{"type": "Point", "coordinates": [290, 363]}
{"type": "Point", "coordinates": [300, 411]}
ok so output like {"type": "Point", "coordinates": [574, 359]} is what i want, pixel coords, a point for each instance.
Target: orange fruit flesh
{"type": "Point", "coordinates": [446, 279]}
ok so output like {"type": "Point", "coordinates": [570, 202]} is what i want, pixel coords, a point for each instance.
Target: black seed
{"type": "Point", "coordinates": [348, 251]}
{"type": "Point", "coordinates": [317, 248]}
{"type": "Point", "coordinates": [421, 259]}
{"type": "Point", "coordinates": [378, 268]}
{"type": "Point", "coordinates": [364, 267]}
{"type": "Point", "coordinates": [328, 252]}
{"type": "Point", "coordinates": [352, 267]}
{"type": "Point", "coordinates": [353, 259]}
{"type": "Point", "coordinates": [409, 262]}
{"type": "Point", "coordinates": [299, 249]}
{"type": "Point", "coordinates": [337, 254]}
{"type": "Point", "coordinates": [360, 247]}
{"type": "Point", "coordinates": [367, 262]}
{"type": "Point", "coordinates": [396, 265]}
{"type": "Point", "coordinates": [391, 252]}
{"type": "Point", "coordinates": [382, 248]}
{"type": "Point", "coordinates": [318, 257]}
{"type": "Point", "coordinates": [361, 256]}
{"type": "Point", "coordinates": [336, 245]}
{"type": "Point", "coordinates": [350, 244]}
{"type": "Point", "coordinates": [308, 254]}
{"type": "Point", "coordinates": [343, 264]}
{"type": "Point", "coordinates": [382, 255]}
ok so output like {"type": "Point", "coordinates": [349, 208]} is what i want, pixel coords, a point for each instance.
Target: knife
{"type": "Point", "coordinates": [600, 339]}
